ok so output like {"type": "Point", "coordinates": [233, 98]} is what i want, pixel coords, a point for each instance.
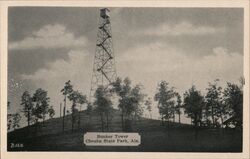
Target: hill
{"type": "Point", "coordinates": [154, 137]}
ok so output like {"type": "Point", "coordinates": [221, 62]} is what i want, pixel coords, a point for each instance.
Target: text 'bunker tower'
{"type": "Point", "coordinates": [104, 71]}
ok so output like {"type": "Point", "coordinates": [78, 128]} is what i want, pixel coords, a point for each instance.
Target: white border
{"type": "Point", "coordinates": [180, 3]}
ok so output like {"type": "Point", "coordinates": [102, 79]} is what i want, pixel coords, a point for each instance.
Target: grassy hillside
{"type": "Point", "coordinates": [154, 137]}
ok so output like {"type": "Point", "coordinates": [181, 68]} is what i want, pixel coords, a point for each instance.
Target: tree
{"type": "Point", "coordinates": [214, 107]}
{"type": "Point", "coordinates": [9, 122]}
{"type": "Point", "coordinates": [193, 105]}
{"type": "Point", "coordinates": [26, 102]}
{"type": "Point", "coordinates": [82, 99]}
{"type": "Point", "coordinates": [164, 97]}
{"type": "Point", "coordinates": [51, 112]}
{"type": "Point", "coordinates": [9, 117]}
{"type": "Point", "coordinates": [67, 89]}
{"type": "Point", "coordinates": [233, 98]}
{"type": "Point", "coordinates": [45, 108]}
{"type": "Point", "coordinates": [178, 106]}
{"type": "Point", "coordinates": [42, 104]}
{"type": "Point", "coordinates": [74, 97]}
{"type": "Point", "coordinates": [16, 120]}
{"type": "Point", "coordinates": [8, 104]}
{"type": "Point", "coordinates": [242, 82]}
{"type": "Point", "coordinates": [135, 103]}
{"type": "Point", "coordinates": [89, 110]}
{"type": "Point", "coordinates": [122, 89]}
{"type": "Point", "coordinates": [130, 100]}
{"type": "Point", "coordinates": [103, 104]}
{"type": "Point", "coordinates": [206, 115]}
{"type": "Point", "coordinates": [148, 104]}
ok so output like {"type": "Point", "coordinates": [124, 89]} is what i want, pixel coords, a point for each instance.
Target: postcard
{"type": "Point", "coordinates": [125, 79]}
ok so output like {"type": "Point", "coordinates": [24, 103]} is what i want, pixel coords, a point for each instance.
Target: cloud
{"type": "Point", "coordinates": [77, 69]}
{"type": "Point", "coordinates": [158, 61]}
{"type": "Point", "coordinates": [183, 28]}
{"type": "Point", "coordinates": [49, 37]}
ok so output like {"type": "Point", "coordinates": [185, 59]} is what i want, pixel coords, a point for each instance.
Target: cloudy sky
{"type": "Point", "coordinates": [184, 46]}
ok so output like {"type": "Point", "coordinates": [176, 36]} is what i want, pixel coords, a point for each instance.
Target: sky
{"type": "Point", "coordinates": [184, 46]}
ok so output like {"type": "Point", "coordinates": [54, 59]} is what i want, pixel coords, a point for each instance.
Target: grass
{"type": "Point", "coordinates": [154, 137]}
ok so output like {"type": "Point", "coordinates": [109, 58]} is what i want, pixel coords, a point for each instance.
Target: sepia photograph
{"type": "Point", "coordinates": [126, 79]}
